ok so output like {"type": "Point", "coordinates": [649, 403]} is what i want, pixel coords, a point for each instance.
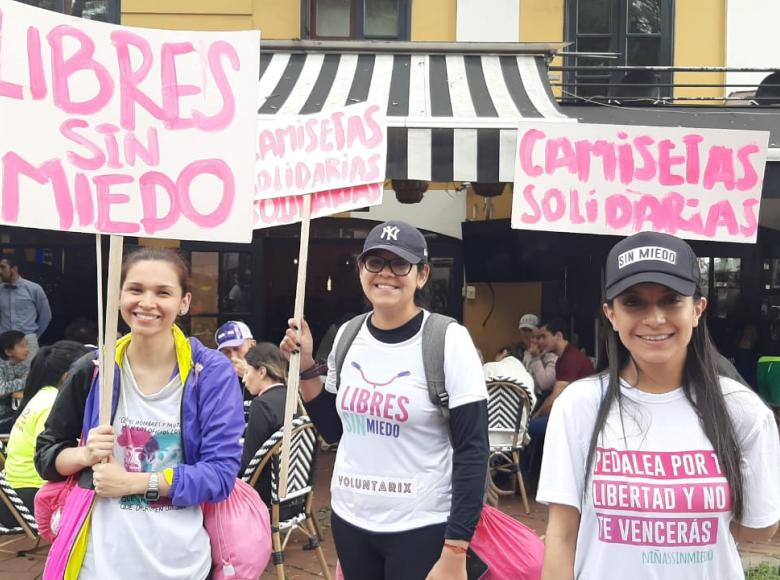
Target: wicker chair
{"type": "Point", "coordinates": [24, 518]}
{"type": "Point", "coordinates": [509, 410]}
{"type": "Point", "coordinates": [300, 479]}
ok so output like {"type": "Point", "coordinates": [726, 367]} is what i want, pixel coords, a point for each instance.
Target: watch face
{"type": "Point", "coordinates": [151, 495]}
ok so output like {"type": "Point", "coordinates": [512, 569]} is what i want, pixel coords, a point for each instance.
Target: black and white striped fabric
{"type": "Point", "coordinates": [507, 401]}
{"type": "Point", "coordinates": [300, 472]}
{"type": "Point", "coordinates": [451, 117]}
{"type": "Point", "coordinates": [10, 494]}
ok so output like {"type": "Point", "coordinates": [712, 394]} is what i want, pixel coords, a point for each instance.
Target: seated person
{"type": "Point", "coordinates": [47, 372]}
{"type": "Point", "coordinates": [264, 378]}
{"type": "Point", "coordinates": [572, 364]}
{"type": "Point", "coordinates": [541, 365]}
{"type": "Point", "coordinates": [13, 352]}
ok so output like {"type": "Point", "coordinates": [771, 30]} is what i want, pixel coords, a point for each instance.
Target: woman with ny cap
{"type": "Point", "coordinates": [405, 499]}
{"type": "Point", "coordinates": [657, 466]}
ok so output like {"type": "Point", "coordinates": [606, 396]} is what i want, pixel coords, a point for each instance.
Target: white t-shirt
{"type": "Point", "coordinates": [130, 537]}
{"type": "Point", "coordinates": [393, 469]}
{"type": "Point", "coordinates": [658, 506]}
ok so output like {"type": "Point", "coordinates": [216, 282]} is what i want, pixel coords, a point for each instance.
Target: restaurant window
{"type": "Point", "coordinates": [639, 32]}
{"type": "Point", "coordinates": [357, 19]}
{"type": "Point", "coordinates": [102, 10]}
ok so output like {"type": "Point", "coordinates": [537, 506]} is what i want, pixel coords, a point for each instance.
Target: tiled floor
{"type": "Point", "coordinates": [301, 564]}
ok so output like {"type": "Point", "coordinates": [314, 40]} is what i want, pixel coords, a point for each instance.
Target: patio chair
{"type": "Point", "coordinates": [24, 518]}
{"type": "Point", "coordinates": [297, 503]}
{"type": "Point", "coordinates": [509, 410]}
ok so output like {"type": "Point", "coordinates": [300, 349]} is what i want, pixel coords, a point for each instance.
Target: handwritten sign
{"type": "Point", "coordinates": [279, 211]}
{"type": "Point", "coordinates": [326, 151]}
{"type": "Point", "coordinates": [129, 131]}
{"type": "Point", "coordinates": [612, 179]}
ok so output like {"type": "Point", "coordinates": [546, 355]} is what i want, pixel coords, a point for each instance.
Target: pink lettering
{"type": "Point", "coordinates": [225, 116]}
{"type": "Point", "coordinates": [665, 163]}
{"type": "Point", "coordinates": [81, 60]}
{"type": "Point", "coordinates": [105, 199]}
{"type": "Point", "coordinates": [527, 142]}
{"type": "Point", "coordinates": [720, 168]}
{"type": "Point", "coordinates": [97, 158]}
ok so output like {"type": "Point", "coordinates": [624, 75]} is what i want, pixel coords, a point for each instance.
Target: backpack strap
{"type": "Point", "coordinates": [345, 341]}
{"type": "Point", "coordinates": [433, 339]}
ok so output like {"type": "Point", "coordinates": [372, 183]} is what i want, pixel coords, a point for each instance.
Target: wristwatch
{"type": "Point", "coordinates": [152, 492]}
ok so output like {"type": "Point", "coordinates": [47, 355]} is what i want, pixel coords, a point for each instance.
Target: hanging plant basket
{"type": "Point", "coordinates": [409, 190]}
{"type": "Point", "coordinates": [487, 189]}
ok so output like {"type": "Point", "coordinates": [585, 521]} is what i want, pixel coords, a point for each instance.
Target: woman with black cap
{"type": "Point", "coordinates": [405, 498]}
{"type": "Point", "coordinates": [656, 467]}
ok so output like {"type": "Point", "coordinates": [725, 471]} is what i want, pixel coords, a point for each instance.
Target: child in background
{"type": "Point", "coordinates": [13, 352]}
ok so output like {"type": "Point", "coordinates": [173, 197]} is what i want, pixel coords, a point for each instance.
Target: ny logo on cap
{"type": "Point", "coordinates": [390, 233]}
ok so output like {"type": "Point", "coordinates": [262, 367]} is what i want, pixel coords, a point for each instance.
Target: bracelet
{"type": "Point", "coordinates": [315, 371]}
{"type": "Point", "coordinates": [456, 549]}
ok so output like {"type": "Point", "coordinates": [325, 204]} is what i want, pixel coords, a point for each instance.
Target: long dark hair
{"type": "Point", "coordinates": [48, 366]}
{"type": "Point", "coordinates": [701, 385]}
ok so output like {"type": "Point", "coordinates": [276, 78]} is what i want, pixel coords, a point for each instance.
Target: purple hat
{"type": "Point", "coordinates": [232, 333]}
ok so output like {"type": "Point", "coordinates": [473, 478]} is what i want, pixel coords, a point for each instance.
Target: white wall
{"type": "Point", "coordinates": [440, 211]}
{"type": "Point", "coordinates": [488, 21]}
{"type": "Point", "coordinates": [751, 38]}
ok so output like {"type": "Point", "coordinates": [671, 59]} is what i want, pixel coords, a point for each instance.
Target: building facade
{"type": "Point", "coordinates": [603, 40]}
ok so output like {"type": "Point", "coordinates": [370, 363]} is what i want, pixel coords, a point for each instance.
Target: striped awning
{"type": "Point", "coordinates": [451, 117]}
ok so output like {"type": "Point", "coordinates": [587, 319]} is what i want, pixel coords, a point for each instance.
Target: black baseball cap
{"type": "Point", "coordinates": [398, 237]}
{"type": "Point", "coordinates": [651, 257]}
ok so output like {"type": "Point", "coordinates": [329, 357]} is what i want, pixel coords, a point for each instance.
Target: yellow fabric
{"type": "Point", "coordinates": [168, 475]}
{"type": "Point", "coordinates": [183, 351]}
{"type": "Point", "coordinates": [19, 466]}
{"type": "Point", "coordinates": [79, 549]}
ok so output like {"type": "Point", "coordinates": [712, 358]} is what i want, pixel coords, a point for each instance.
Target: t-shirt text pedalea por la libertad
{"type": "Point", "coordinates": [657, 504]}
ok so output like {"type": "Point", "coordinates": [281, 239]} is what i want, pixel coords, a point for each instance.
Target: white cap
{"type": "Point", "coordinates": [529, 321]}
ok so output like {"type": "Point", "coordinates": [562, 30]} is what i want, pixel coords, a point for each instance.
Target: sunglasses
{"type": "Point", "coordinates": [398, 266]}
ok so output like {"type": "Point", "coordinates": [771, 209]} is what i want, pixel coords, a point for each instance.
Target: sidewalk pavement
{"type": "Point", "coordinates": [301, 564]}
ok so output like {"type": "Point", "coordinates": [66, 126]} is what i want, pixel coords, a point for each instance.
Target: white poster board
{"type": "Point", "coordinates": [128, 131]}
{"type": "Point", "coordinates": [702, 184]}
{"type": "Point", "coordinates": [322, 152]}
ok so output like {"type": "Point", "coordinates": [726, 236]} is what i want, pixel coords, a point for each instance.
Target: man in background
{"type": "Point", "coordinates": [23, 305]}
{"type": "Point", "coordinates": [233, 340]}
{"type": "Point", "coordinates": [571, 365]}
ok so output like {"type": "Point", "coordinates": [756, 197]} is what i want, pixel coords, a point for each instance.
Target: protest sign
{"type": "Point", "coordinates": [611, 179]}
{"type": "Point", "coordinates": [326, 151]}
{"type": "Point", "coordinates": [279, 211]}
{"type": "Point", "coordinates": [126, 131]}
{"type": "Point", "coordinates": [309, 166]}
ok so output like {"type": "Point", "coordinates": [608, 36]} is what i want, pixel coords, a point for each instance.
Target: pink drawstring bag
{"type": "Point", "coordinates": [49, 501]}
{"type": "Point", "coordinates": [240, 532]}
{"type": "Point", "coordinates": [510, 549]}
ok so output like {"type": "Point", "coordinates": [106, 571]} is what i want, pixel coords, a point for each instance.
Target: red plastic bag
{"type": "Point", "coordinates": [49, 501]}
{"type": "Point", "coordinates": [240, 532]}
{"type": "Point", "coordinates": [510, 549]}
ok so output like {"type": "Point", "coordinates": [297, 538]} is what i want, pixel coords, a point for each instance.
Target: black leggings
{"type": "Point", "coordinates": [368, 555]}
{"type": "Point", "coordinates": [27, 495]}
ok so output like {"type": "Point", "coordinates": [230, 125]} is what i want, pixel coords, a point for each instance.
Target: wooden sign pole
{"type": "Point", "coordinates": [293, 380]}
{"type": "Point", "coordinates": [108, 347]}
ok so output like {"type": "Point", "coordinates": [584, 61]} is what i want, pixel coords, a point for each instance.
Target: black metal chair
{"type": "Point", "coordinates": [300, 480]}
